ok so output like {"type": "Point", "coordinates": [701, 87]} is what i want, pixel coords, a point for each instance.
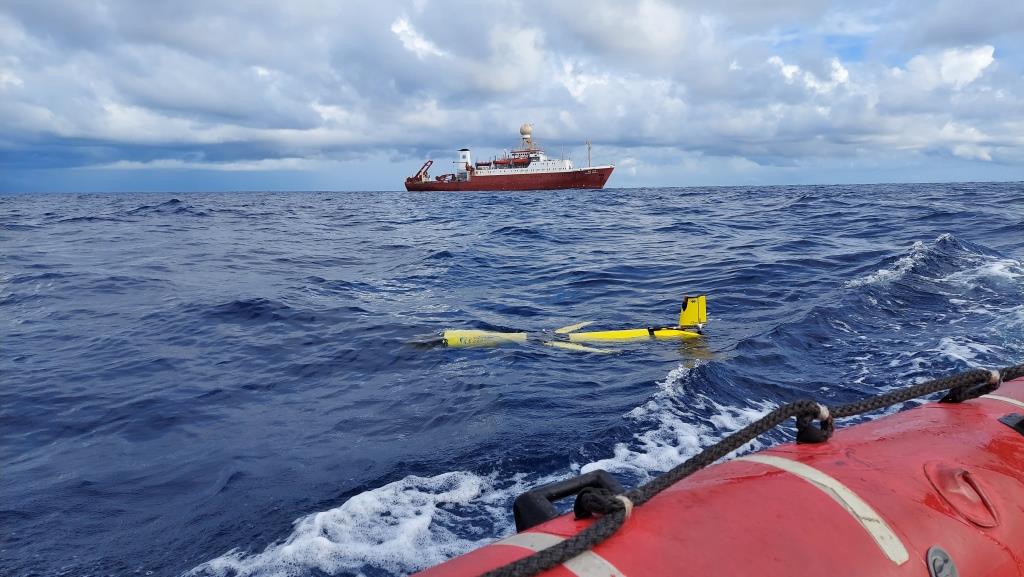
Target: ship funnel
{"type": "Point", "coordinates": [464, 159]}
{"type": "Point", "coordinates": [464, 165]}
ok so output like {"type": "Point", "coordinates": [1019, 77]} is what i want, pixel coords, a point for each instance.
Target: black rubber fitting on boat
{"type": "Point", "coordinates": [536, 506]}
{"type": "Point", "coordinates": [1015, 421]}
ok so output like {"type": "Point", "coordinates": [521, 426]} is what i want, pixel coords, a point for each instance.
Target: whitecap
{"type": "Point", "coordinates": [418, 522]}
{"type": "Point", "coordinates": [400, 527]}
{"type": "Point", "coordinates": [677, 433]}
{"type": "Point", "coordinates": [962, 350]}
{"type": "Point", "coordinates": [898, 269]}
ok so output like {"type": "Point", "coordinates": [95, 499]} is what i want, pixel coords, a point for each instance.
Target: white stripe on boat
{"type": "Point", "coordinates": [587, 564]}
{"type": "Point", "coordinates": [868, 518]}
{"type": "Point", "coordinates": [1014, 402]}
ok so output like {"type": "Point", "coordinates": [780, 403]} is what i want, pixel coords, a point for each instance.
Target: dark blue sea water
{"type": "Point", "coordinates": [226, 384]}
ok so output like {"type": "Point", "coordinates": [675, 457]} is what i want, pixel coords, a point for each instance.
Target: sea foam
{"type": "Point", "coordinates": [417, 522]}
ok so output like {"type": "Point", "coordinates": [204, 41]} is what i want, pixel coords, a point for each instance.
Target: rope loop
{"type": "Point", "coordinates": [591, 500]}
{"type": "Point", "coordinates": [806, 432]}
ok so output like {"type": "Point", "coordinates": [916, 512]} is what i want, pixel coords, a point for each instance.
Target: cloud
{"type": "Point", "coordinates": [952, 23]}
{"type": "Point", "coordinates": [956, 67]}
{"type": "Point", "coordinates": [791, 72]}
{"type": "Point", "coordinates": [972, 152]}
{"type": "Point", "coordinates": [579, 83]}
{"type": "Point", "coordinates": [739, 87]}
{"type": "Point", "coordinates": [266, 164]}
{"type": "Point", "coordinates": [516, 60]}
{"type": "Point", "coordinates": [9, 80]}
{"type": "Point", "coordinates": [413, 42]}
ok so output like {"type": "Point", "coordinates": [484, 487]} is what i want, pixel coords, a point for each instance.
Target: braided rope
{"type": "Point", "coordinates": [615, 509]}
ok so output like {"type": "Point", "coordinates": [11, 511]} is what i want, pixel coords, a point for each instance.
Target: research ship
{"type": "Point", "coordinates": [526, 168]}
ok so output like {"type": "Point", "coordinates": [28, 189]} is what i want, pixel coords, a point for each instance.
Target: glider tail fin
{"type": "Point", "coordinates": [694, 312]}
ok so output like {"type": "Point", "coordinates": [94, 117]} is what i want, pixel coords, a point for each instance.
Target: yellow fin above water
{"type": "Point", "coordinates": [571, 328]}
{"type": "Point", "coordinates": [694, 312]}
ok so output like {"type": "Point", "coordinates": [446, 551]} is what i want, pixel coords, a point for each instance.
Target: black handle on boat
{"type": "Point", "coordinates": [537, 505]}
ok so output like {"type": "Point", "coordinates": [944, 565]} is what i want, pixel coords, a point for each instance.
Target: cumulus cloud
{"type": "Point", "coordinates": [412, 40]}
{"type": "Point", "coordinates": [516, 60]}
{"type": "Point", "coordinates": [9, 79]}
{"type": "Point", "coordinates": [791, 72]}
{"type": "Point", "coordinates": [672, 90]}
{"type": "Point", "coordinates": [956, 67]}
{"type": "Point", "coordinates": [972, 152]}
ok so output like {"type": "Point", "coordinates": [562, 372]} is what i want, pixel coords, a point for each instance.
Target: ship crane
{"type": "Point", "coordinates": [422, 174]}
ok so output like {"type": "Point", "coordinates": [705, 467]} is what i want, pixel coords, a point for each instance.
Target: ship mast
{"type": "Point", "coordinates": [588, 153]}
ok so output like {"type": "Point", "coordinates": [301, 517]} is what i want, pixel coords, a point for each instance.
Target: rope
{"type": "Point", "coordinates": [615, 509]}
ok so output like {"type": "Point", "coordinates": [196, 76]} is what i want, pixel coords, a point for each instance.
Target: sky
{"type": "Point", "coordinates": [191, 95]}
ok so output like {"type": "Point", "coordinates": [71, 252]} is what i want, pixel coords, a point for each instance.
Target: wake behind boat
{"type": "Point", "coordinates": [526, 168]}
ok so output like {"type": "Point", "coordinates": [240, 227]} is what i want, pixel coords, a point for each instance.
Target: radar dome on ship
{"type": "Point", "coordinates": [526, 129]}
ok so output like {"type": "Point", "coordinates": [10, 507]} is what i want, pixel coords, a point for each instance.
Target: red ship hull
{"type": "Point", "coordinates": [587, 178]}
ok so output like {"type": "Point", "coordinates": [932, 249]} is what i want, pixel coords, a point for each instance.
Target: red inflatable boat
{"type": "Point", "coordinates": [937, 490]}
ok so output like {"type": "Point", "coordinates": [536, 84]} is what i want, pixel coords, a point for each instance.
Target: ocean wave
{"type": "Point", "coordinates": [250, 310]}
{"type": "Point", "coordinates": [172, 203]}
{"type": "Point", "coordinates": [417, 522]}
{"type": "Point", "coordinates": [676, 424]}
{"type": "Point", "coordinates": [272, 337]}
{"type": "Point", "coordinates": [919, 252]}
{"type": "Point", "coordinates": [399, 528]}
{"type": "Point", "coordinates": [89, 219]}
{"type": "Point", "coordinates": [965, 352]}
{"type": "Point", "coordinates": [988, 269]}
{"type": "Point", "coordinates": [19, 226]}
{"type": "Point", "coordinates": [518, 232]}
{"type": "Point", "coordinates": [172, 206]}
{"type": "Point", "coordinates": [944, 259]}
{"type": "Point", "coordinates": [39, 277]}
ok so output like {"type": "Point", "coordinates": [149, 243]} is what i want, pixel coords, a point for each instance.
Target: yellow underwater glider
{"type": "Point", "coordinates": [691, 320]}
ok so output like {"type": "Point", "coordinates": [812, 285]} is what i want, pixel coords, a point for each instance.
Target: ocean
{"type": "Point", "coordinates": [242, 384]}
